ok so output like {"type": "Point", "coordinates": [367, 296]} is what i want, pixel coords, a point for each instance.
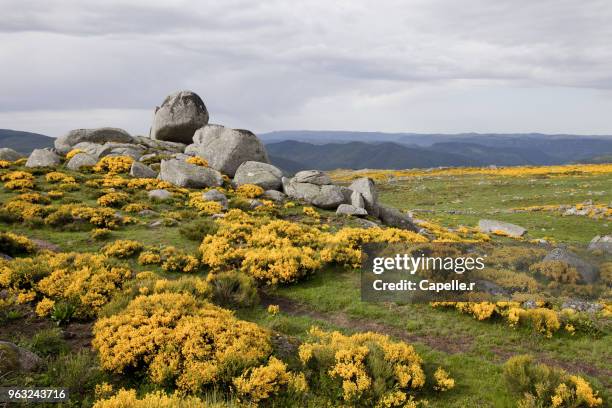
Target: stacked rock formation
{"type": "Point", "coordinates": [180, 130]}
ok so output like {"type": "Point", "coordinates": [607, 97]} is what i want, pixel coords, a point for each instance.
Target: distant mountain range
{"type": "Point", "coordinates": [327, 150]}
{"type": "Point", "coordinates": [298, 150]}
{"type": "Point", "coordinates": [24, 142]}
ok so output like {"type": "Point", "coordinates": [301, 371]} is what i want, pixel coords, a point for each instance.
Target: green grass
{"type": "Point", "coordinates": [472, 351]}
{"type": "Point", "coordinates": [487, 344]}
{"type": "Point", "coordinates": [476, 197]}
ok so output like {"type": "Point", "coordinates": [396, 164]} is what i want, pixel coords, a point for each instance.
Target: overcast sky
{"type": "Point", "coordinates": [408, 65]}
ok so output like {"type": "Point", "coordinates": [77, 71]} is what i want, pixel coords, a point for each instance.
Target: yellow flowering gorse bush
{"type": "Point", "coordinates": [114, 164]}
{"type": "Point", "coordinates": [359, 361]}
{"type": "Point", "coordinates": [276, 251]}
{"type": "Point", "coordinates": [179, 340]}
{"type": "Point", "coordinates": [249, 191]}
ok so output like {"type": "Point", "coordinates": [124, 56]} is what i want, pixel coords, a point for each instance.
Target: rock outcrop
{"type": "Point", "coordinates": [9, 154]}
{"type": "Point", "coordinates": [274, 195]}
{"type": "Point", "coordinates": [99, 136]}
{"type": "Point", "coordinates": [264, 175]}
{"type": "Point", "coordinates": [140, 170]}
{"type": "Point", "coordinates": [226, 149]}
{"type": "Point", "coordinates": [348, 209]}
{"type": "Point", "coordinates": [366, 187]}
{"type": "Point", "coordinates": [42, 158]}
{"type": "Point", "coordinates": [178, 117]}
{"type": "Point", "coordinates": [601, 243]}
{"type": "Point", "coordinates": [184, 174]}
{"type": "Point", "coordinates": [494, 226]}
{"type": "Point", "coordinates": [80, 160]}
{"type": "Point", "coordinates": [587, 271]}
{"type": "Point", "coordinates": [395, 218]}
{"type": "Point", "coordinates": [14, 358]}
{"type": "Point", "coordinates": [160, 194]}
{"type": "Point", "coordinates": [326, 196]}
{"type": "Point", "coordinates": [217, 196]}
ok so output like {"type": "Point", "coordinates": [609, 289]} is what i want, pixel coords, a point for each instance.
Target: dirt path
{"type": "Point", "coordinates": [454, 345]}
{"type": "Point", "coordinates": [457, 344]}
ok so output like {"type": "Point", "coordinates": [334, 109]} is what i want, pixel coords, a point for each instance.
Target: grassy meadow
{"type": "Point", "coordinates": [311, 287]}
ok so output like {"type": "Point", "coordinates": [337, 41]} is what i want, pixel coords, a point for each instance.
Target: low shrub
{"type": "Point", "coordinates": [114, 199]}
{"type": "Point", "coordinates": [129, 399]}
{"type": "Point", "coordinates": [540, 385]}
{"type": "Point", "coordinates": [47, 342]}
{"type": "Point", "coordinates": [365, 369]}
{"type": "Point", "coordinates": [558, 271]}
{"type": "Point", "coordinates": [196, 231]}
{"type": "Point", "coordinates": [233, 289]}
{"type": "Point", "coordinates": [249, 191]}
{"type": "Point", "coordinates": [177, 340]}
{"type": "Point", "coordinates": [114, 165]}
{"type": "Point", "coordinates": [123, 248]}
{"type": "Point", "coordinates": [13, 244]}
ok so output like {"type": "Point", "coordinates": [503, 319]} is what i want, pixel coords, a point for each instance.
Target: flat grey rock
{"type": "Point", "coordinates": [15, 358]}
{"type": "Point", "coordinates": [217, 196]}
{"type": "Point", "coordinates": [183, 174]}
{"type": "Point", "coordinates": [261, 174]}
{"type": "Point", "coordinates": [274, 195]}
{"type": "Point", "coordinates": [80, 160]}
{"type": "Point", "coordinates": [99, 135]}
{"type": "Point", "coordinates": [140, 170]}
{"type": "Point", "coordinates": [312, 177]}
{"type": "Point", "coordinates": [393, 217]}
{"type": "Point", "coordinates": [347, 209]}
{"type": "Point", "coordinates": [513, 230]}
{"type": "Point", "coordinates": [160, 194]}
{"type": "Point", "coordinates": [9, 154]}
{"type": "Point", "coordinates": [601, 243]}
{"type": "Point", "coordinates": [42, 158]}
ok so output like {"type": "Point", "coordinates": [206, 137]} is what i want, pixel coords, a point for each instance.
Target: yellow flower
{"type": "Point", "coordinates": [198, 161]}
{"type": "Point", "coordinates": [113, 199]}
{"type": "Point", "coordinates": [273, 309]}
{"type": "Point", "coordinates": [73, 153]}
{"type": "Point", "coordinates": [443, 381]}
{"type": "Point", "coordinates": [311, 212]}
{"type": "Point", "coordinates": [249, 191]}
{"type": "Point", "coordinates": [114, 164]}
{"type": "Point", "coordinates": [209, 345]}
{"type": "Point", "coordinates": [122, 248]}
{"type": "Point", "coordinates": [44, 307]}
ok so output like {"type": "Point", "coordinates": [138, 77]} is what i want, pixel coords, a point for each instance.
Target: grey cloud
{"type": "Point", "coordinates": [270, 60]}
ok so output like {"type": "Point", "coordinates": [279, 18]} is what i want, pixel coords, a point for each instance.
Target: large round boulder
{"type": "Point", "coordinates": [264, 175]}
{"type": "Point", "coordinates": [100, 136]}
{"type": "Point", "coordinates": [9, 154]}
{"type": "Point", "coordinates": [42, 158]}
{"type": "Point", "coordinates": [226, 149]}
{"type": "Point", "coordinates": [179, 116]}
{"type": "Point", "coordinates": [183, 174]}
